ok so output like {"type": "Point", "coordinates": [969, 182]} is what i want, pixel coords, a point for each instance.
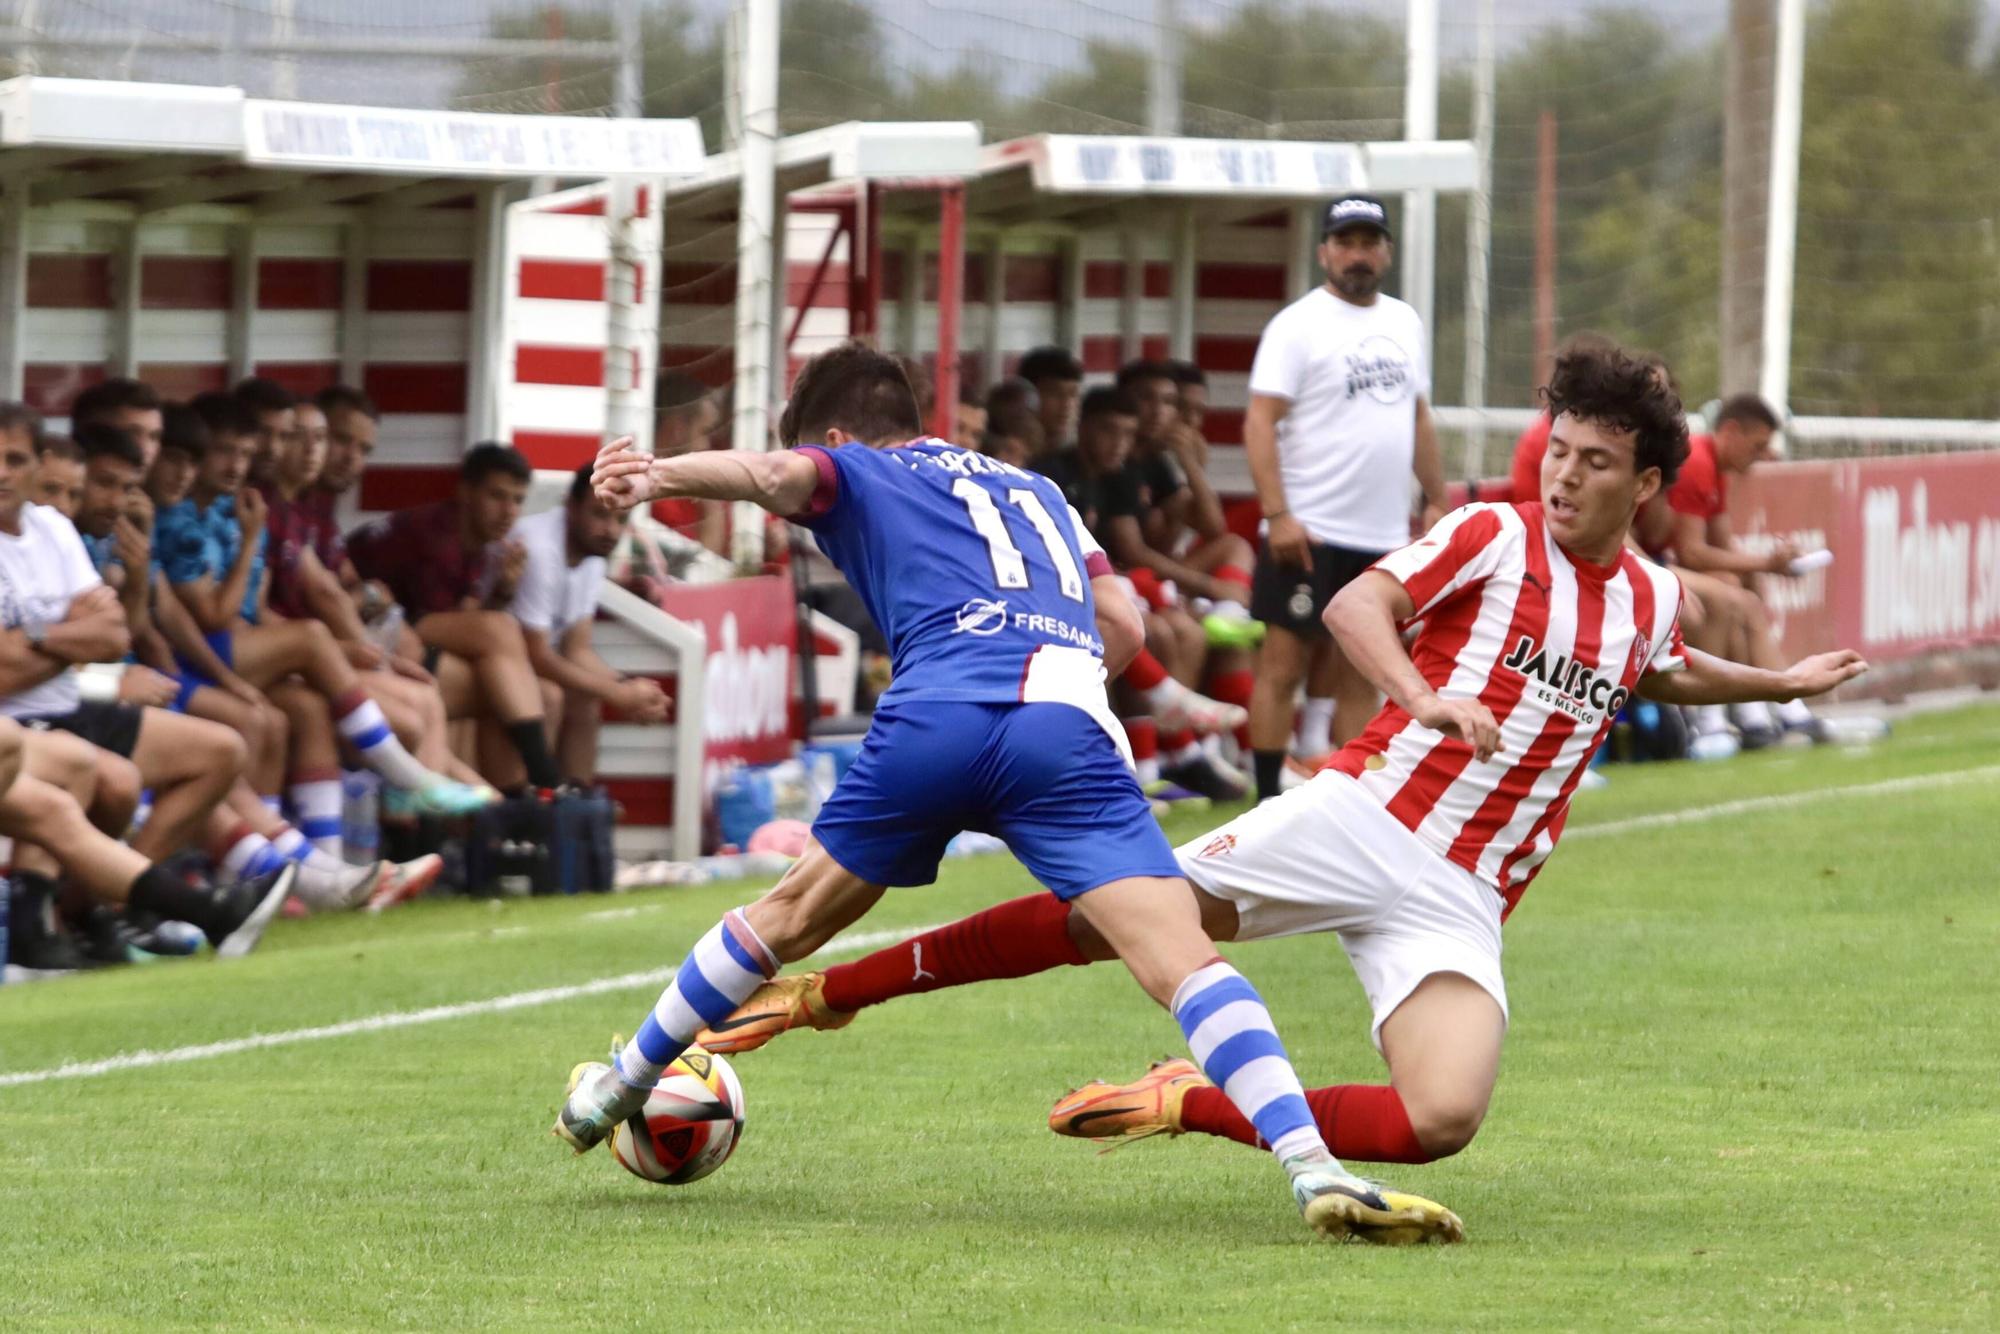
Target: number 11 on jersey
{"type": "Point", "coordinates": [1010, 570]}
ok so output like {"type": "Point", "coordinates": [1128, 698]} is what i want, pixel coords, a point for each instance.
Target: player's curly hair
{"type": "Point", "coordinates": [856, 389]}
{"type": "Point", "coordinates": [1604, 383]}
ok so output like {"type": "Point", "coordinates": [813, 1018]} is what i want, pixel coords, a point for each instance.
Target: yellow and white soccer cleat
{"type": "Point", "coordinates": [1341, 1206]}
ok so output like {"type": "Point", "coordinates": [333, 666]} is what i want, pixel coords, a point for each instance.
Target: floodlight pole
{"type": "Point", "coordinates": [1479, 245]}
{"type": "Point", "coordinates": [1420, 123]}
{"type": "Point", "coordinates": [627, 94]}
{"type": "Point", "coordinates": [756, 234]}
{"type": "Point", "coordinates": [951, 292]}
{"type": "Point", "coordinates": [1781, 232]}
{"type": "Point", "coordinates": [1163, 70]}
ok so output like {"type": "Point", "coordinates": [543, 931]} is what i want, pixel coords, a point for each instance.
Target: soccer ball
{"type": "Point", "coordinates": [689, 1125]}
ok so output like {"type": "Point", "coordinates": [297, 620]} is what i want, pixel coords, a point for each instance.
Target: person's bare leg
{"type": "Point", "coordinates": [1191, 646]}
{"type": "Point", "coordinates": [1354, 698]}
{"type": "Point", "coordinates": [1155, 925]}
{"type": "Point", "coordinates": [1443, 1048]}
{"type": "Point", "coordinates": [1281, 666]}
{"type": "Point", "coordinates": [190, 764]}
{"type": "Point", "coordinates": [315, 747]}
{"type": "Point", "coordinates": [266, 732]}
{"type": "Point", "coordinates": [390, 692]}
{"type": "Point", "coordinates": [491, 642]}
{"type": "Point", "coordinates": [62, 761]}
{"type": "Point", "coordinates": [266, 654]}
{"type": "Point", "coordinates": [576, 740]}
{"type": "Point", "coordinates": [41, 818]}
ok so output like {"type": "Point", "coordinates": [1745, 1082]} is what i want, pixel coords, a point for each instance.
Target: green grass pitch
{"type": "Point", "coordinates": [1753, 1080]}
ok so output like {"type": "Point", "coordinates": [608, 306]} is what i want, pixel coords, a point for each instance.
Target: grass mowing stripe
{"type": "Point", "coordinates": [853, 943]}
{"type": "Point", "coordinates": [862, 941]}
{"type": "Point", "coordinates": [1781, 801]}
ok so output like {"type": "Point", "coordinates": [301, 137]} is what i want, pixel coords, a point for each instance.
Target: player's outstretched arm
{"type": "Point", "coordinates": [1708, 679]}
{"type": "Point", "coordinates": [1363, 617]}
{"type": "Point", "coordinates": [780, 481]}
{"type": "Point", "coordinates": [1119, 623]}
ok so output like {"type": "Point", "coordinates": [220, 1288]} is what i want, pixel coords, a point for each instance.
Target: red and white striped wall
{"type": "Point", "coordinates": [557, 315]}
{"type": "Point", "coordinates": [406, 280]}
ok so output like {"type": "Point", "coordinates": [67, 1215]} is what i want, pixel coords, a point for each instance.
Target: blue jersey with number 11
{"type": "Point", "coordinates": [968, 565]}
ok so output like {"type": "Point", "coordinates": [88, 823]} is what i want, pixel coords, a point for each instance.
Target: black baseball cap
{"type": "Point", "coordinates": [1354, 211]}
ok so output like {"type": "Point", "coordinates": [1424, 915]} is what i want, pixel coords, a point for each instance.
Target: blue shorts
{"type": "Point", "coordinates": [220, 642]}
{"type": "Point", "coordinates": [1043, 777]}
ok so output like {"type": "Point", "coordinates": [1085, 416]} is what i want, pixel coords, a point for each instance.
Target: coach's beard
{"type": "Point", "coordinates": [1357, 284]}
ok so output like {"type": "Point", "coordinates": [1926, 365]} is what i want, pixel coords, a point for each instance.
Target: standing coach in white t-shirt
{"type": "Point", "coordinates": [1339, 418]}
{"type": "Point", "coordinates": [556, 604]}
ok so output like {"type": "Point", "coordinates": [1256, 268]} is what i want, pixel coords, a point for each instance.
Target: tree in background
{"type": "Point", "coordinates": [1898, 287]}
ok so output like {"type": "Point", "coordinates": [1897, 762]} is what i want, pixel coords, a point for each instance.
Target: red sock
{"type": "Point", "coordinates": [1234, 688]}
{"type": "Point", "coordinates": [1145, 672]}
{"type": "Point", "coordinates": [1365, 1122]}
{"type": "Point", "coordinates": [1012, 939]}
{"type": "Point", "coordinates": [1236, 575]}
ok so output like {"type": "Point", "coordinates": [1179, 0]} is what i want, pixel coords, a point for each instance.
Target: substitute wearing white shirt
{"type": "Point", "coordinates": [1339, 418]}
{"type": "Point", "coordinates": [556, 604]}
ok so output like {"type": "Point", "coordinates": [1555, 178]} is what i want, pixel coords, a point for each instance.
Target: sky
{"type": "Point", "coordinates": [1025, 39]}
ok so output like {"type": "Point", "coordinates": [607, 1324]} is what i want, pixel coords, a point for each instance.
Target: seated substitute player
{"type": "Point", "coordinates": [58, 475]}
{"type": "Point", "coordinates": [211, 546]}
{"type": "Point", "coordinates": [452, 570]}
{"type": "Point", "coordinates": [132, 406]}
{"type": "Point", "coordinates": [1745, 426]}
{"type": "Point", "coordinates": [42, 814]}
{"type": "Point", "coordinates": [556, 605]}
{"type": "Point", "coordinates": [1421, 834]}
{"type": "Point", "coordinates": [981, 577]}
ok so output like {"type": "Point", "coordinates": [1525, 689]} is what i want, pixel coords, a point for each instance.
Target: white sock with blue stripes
{"type": "Point", "coordinates": [1236, 1045]}
{"type": "Point", "coordinates": [362, 726]}
{"type": "Point", "coordinates": [719, 974]}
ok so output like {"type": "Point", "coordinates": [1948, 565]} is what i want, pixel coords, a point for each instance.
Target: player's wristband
{"type": "Point", "coordinates": [1272, 518]}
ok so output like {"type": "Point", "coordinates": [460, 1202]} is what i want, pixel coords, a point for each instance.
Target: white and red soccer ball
{"type": "Point", "coordinates": [689, 1125]}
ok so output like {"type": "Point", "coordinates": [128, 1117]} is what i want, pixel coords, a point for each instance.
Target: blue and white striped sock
{"type": "Point", "coordinates": [316, 808]}
{"type": "Point", "coordinates": [250, 856]}
{"type": "Point", "coordinates": [361, 725]}
{"type": "Point", "coordinates": [719, 974]}
{"type": "Point", "coordinates": [1236, 1045]}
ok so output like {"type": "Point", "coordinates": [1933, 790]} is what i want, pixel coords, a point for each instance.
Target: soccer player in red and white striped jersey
{"type": "Point", "coordinates": [1506, 641]}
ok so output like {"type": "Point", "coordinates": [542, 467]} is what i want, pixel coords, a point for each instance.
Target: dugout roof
{"type": "Point", "coordinates": [1086, 180]}
{"type": "Point", "coordinates": [156, 146]}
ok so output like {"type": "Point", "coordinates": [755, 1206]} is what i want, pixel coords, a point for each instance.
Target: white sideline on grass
{"type": "Point", "coordinates": [851, 943]}
{"type": "Point", "coordinates": [859, 942]}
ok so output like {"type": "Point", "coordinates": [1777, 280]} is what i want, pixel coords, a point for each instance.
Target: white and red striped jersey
{"type": "Point", "coordinates": [1551, 644]}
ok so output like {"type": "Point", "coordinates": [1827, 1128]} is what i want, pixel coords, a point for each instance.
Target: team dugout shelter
{"type": "Point", "coordinates": [446, 262]}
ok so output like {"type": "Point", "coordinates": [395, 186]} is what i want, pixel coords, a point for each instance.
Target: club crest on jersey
{"type": "Point", "coordinates": [1219, 846]}
{"type": "Point", "coordinates": [980, 616]}
{"type": "Point", "coordinates": [1568, 684]}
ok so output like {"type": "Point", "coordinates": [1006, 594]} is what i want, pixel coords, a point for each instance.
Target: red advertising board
{"type": "Point", "coordinates": [752, 630]}
{"type": "Point", "coordinates": [1916, 545]}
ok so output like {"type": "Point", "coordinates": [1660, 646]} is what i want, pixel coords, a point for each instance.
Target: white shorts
{"type": "Point", "coordinates": [1327, 857]}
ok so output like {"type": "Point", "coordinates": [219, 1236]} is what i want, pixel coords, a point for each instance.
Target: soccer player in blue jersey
{"type": "Point", "coordinates": [997, 608]}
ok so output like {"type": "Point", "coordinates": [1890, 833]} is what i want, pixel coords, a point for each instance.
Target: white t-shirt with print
{"type": "Point", "coordinates": [554, 595]}
{"type": "Point", "coordinates": [41, 572]}
{"type": "Point", "coordinates": [1352, 375]}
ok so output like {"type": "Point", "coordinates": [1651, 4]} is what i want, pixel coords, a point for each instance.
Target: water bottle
{"type": "Point", "coordinates": [360, 830]}
{"type": "Point", "coordinates": [387, 629]}
{"type": "Point", "coordinates": [515, 880]}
